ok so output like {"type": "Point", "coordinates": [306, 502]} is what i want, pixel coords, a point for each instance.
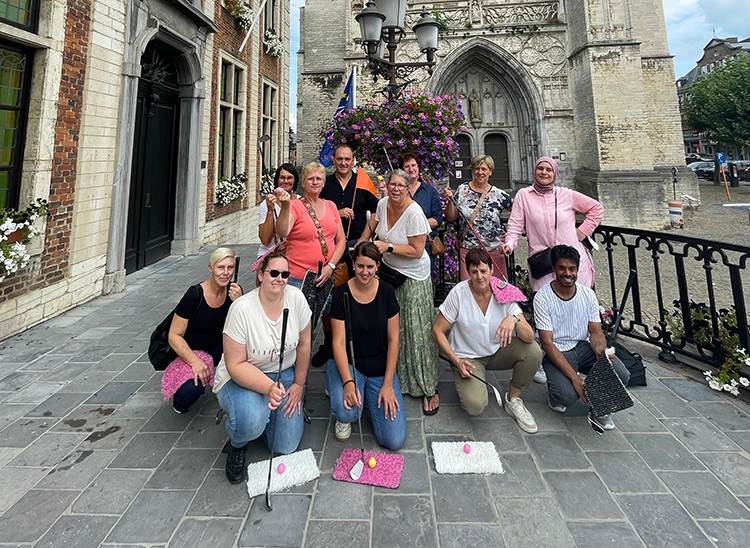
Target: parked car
{"type": "Point", "coordinates": [743, 169]}
{"type": "Point", "coordinates": [692, 157]}
{"type": "Point", "coordinates": [700, 167]}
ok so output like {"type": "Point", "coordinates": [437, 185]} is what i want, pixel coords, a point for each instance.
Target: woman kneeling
{"type": "Point", "coordinates": [246, 377]}
{"type": "Point", "coordinates": [374, 328]}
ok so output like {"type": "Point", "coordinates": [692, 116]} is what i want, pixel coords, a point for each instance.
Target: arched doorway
{"type": "Point", "coordinates": [502, 105]}
{"type": "Point", "coordinates": [151, 207]}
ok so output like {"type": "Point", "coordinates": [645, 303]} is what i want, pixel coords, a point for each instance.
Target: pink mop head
{"type": "Point", "coordinates": [178, 371]}
{"type": "Point", "coordinates": [387, 471]}
{"type": "Point", "coordinates": [505, 292]}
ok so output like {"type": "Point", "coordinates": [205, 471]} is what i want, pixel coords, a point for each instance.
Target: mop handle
{"type": "Point", "coordinates": [479, 238]}
{"type": "Point", "coordinates": [350, 340]}
{"type": "Point", "coordinates": [284, 320]}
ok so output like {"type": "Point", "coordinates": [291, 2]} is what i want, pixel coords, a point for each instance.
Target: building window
{"type": "Point", "coordinates": [231, 133]}
{"type": "Point", "coordinates": [20, 13]}
{"type": "Point", "coordinates": [15, 81]}
{"type": "Point", "coordinates": [269, 16]}
{"type": "Point", "coordinates": [269, 123]}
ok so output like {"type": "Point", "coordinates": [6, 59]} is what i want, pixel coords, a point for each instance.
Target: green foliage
{"type": "Point", "coordinates": [719, 103]}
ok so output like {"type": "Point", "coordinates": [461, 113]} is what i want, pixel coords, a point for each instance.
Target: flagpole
{"type": "Point", "coordinates": [354, 84]}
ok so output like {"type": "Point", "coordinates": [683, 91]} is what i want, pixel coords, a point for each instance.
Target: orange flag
{"type": "Point", "coordinates": [364, 182]}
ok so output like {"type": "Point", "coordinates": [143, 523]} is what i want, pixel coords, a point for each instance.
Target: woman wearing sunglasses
{"type": "Point", "coordinates": [245, 382]}
{"type": "Point", "coordinates": [374, 314]}
{"type": "Point", "coordinates": [401, 229]}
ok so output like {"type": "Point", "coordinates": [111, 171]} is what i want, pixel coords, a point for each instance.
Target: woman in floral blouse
{"type": "Point", "coordinates": [485, 218]}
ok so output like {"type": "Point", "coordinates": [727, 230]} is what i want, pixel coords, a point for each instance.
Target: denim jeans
{"type": "Point", "coordinates": [187, 394]}
{"type": "Point", "coordinates": [389, 433]}
{"type": "Point", "coordinates": [249, 416]}
{"type": "Point", "coordinates": [581, 358]}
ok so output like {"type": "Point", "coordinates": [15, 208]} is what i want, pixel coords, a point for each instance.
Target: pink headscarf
{"type": "Point", "coordinates": [544, 189]}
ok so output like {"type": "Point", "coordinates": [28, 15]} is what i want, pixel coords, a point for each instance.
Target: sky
{"type": "Point", "coordinates": [690, 26]}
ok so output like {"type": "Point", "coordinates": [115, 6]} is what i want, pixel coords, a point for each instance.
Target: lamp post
{"type": "Point", "coordinates": [381, 25]}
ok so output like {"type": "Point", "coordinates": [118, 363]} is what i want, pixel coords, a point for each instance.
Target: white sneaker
{"type": "Point", "coordinates": [516, 409]}
{"type": "Point", "coordinates": [605, 421]}
{"type": "Point", "coordinates": [540, 376]}
{"type": "Point", "coordinates": [343, 430]}
{"type": "Point", "coordinates": [557, 408]}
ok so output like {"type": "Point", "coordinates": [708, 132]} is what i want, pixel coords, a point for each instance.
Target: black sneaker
{"type": "Point", "coordinates": [322, 356]}
{"type": "Point", "coordinates": [236, 469]}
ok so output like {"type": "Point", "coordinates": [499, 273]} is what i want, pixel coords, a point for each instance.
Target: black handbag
{"type": "Point", "coordinates": [392, 277]}
{"type": "Point", "coordinates": [160, 354]}
{"type": "Point", "coordinates": [540, 264]}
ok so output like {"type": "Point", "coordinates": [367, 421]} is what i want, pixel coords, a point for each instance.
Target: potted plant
{"type": "Point", "coordinates": [242, 13]}
{"type": "Point", "coordinates": [231, 190]}
{"type": "Point", "coordinates": [16, 229]}
{"type": "Point", "coordinates": [274, 46]}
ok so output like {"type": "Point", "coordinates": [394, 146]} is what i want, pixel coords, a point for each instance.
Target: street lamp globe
{"type": "Point", "coordinates": [370, 24]}
{"type": "Point", "coordinates": [394, 11]}
{"type": "Point", "coordinates": [426, 30]}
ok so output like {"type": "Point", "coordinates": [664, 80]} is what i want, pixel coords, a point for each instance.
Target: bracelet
{"type": "Point", "coordinates": [347, 382]}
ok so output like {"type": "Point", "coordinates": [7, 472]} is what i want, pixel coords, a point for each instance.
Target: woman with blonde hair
{"type": "Point", "coordinates": [195, 333]}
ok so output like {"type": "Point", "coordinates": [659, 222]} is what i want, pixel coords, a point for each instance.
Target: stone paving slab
{"type": "Point", "coordinates": [91, 455]}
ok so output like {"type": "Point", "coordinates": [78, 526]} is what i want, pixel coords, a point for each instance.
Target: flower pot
{"type": "Point", "coordinates": [16, 236]}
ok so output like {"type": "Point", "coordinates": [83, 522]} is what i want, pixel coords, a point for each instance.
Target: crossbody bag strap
{"type": "Point", "coordinates": [475, 213]}
{"type": "Point", "coordinates": [316, 222]}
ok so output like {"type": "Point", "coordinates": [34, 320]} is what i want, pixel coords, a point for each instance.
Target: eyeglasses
{"type": "Point", "coordinates": [276, 273]}
{"type": "Point", "coordinates": [398, 186]}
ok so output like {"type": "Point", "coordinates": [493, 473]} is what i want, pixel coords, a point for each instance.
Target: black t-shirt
{"type": "Point", "coordinates": [369, 327]}
{"type": "Point", "coordinates": [204, 331]}
{"type": "Point", "coordinates": [365, 202]}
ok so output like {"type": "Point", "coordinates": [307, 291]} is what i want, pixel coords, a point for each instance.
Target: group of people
{"type": "Point", "coordinates": [381, 337]}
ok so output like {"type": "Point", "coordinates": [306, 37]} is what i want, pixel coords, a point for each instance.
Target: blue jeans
{"type": "Point", "coordinates": [249, 416]}
{"type": "Point", "coordinates": [187, 394]}
{"type": "Point", "coordinates": [581, 358]}
{"type": "Point", "coordinates": [388, 433]}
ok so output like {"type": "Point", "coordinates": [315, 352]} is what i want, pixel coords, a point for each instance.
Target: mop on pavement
{"type": "Point", "coordinates": [471, 457]}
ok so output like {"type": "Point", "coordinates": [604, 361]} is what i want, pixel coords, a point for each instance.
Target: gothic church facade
{"type": "Point", "coordinates": [588, 82]}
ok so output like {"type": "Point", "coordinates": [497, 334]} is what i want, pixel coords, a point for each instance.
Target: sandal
{"type": "Point", "coordinates": [429, 400]}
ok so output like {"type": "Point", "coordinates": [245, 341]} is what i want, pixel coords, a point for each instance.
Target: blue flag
{"type": "Point", "coordinates": [346, 102]}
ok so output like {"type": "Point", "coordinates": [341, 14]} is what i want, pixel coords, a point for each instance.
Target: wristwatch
{"type": "Point", "coordinates": [332, 265]}
{"type": "Point", "coordinates": [390, 248]}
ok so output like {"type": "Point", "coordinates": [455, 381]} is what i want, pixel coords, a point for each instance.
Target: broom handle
{"type": "Point", "coordinates": [618, 318]}
{"type": "Point", "coordinates": [350, 340]}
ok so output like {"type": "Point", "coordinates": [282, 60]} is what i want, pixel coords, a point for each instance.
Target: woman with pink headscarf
{"type": "Point", "coordinates": [548, 214]}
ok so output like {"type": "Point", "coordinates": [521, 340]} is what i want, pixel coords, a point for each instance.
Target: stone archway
{"type": "Point", "coordinates": [500, 101]}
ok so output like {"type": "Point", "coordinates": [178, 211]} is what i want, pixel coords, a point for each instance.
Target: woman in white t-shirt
{"type": "Point", "coordinates": [486, 333]}
{"type": "Point", "coordinates": [287, 178]}
{"type": "Point", "coordinates": [401, 229]}
{"type": "Point", "coordinates": [245, 382]}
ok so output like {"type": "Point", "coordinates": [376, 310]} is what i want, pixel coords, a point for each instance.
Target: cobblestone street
{"type": "Point", "coordinates": [90, 455]}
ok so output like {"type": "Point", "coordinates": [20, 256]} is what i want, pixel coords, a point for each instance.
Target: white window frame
{"type": "Point", "coordinates": [232, 112]}
{"type": "Point", "coordinates": [269, 121]}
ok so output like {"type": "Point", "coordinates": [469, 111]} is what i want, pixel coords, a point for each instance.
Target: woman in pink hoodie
{"type": "Point", "coordinates": [548, 214]}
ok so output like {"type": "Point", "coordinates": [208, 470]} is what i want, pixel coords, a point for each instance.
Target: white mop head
{"type": "Point", "coordinates": [451, 458]}
{"type": "Point", "coordinates": [300, 467]}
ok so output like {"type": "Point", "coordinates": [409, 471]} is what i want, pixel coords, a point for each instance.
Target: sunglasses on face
{"type": "Point", "coordinates": [276, 273]}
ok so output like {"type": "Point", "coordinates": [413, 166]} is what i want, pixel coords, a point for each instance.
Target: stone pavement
{"type": "Point", "coordinates": [90, 455]}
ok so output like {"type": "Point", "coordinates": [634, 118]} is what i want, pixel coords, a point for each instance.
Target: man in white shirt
{"type": "Point", "coordinates": [570, 331]}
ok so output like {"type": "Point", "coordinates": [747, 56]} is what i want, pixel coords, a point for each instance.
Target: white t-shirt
{"type": "Point", "coordinates": [472, 333]}
{"type": "Point", "coordinates": [411, 223]}
{"type": "Point", "coordinates": [262, 214]}
{"type": "Point", "coordinates": [248, 324]}
{"type": "Point", "coordinates": [568, 320]}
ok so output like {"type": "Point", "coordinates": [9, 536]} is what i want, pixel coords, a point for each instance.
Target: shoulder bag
{"type": "Point", "coordinates": [540, 264]}
{"type": "Point", "coordinates": [160, 354]}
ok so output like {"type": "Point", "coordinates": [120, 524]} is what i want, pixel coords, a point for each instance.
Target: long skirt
{"type": "Point", "coordinates": [418, 366]}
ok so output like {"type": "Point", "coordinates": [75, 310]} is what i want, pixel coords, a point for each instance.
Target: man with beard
{"type": "Point", "coordinates": [570, 332]}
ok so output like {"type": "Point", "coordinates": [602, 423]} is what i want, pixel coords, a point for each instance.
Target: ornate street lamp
{"type": "Point", "coordinates": [381, 25]}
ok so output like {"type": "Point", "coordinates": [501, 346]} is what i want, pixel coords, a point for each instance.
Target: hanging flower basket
{"type": "Point", "coordinates": [231, 190]}
{"type": "Point", "coordinates": [16, 229]}
{"type": "Point", "coordinates": [274, 46]}
{"type": "Point", "coordinates": [242, 13]}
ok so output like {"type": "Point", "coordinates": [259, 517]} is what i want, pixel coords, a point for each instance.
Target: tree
{"type": "Point", "coordinates": [719, 103]}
